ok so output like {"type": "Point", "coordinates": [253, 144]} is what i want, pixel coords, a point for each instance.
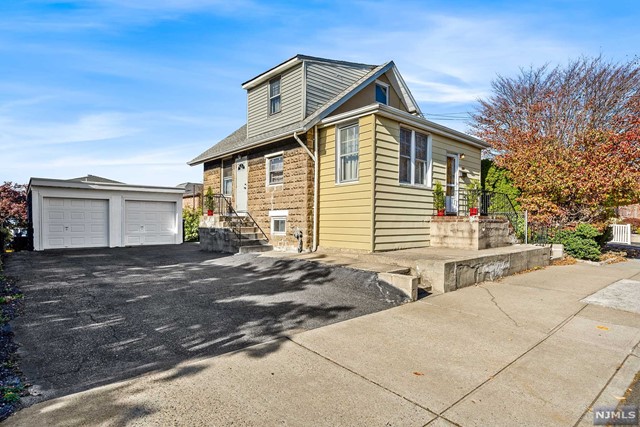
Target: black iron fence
{"type": "Point", "coordinates": [489, 204]}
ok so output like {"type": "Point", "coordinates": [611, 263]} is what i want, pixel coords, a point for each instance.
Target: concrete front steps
{"type": "Point", "coordinates": [233, 234]}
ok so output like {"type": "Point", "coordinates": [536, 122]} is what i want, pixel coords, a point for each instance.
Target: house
{"type": "Point", "coordinates": [341, 152]}
{"type": "Point", "coordinates": [92, 211]}
{"type": "Point", "coordinates": [192, 197]}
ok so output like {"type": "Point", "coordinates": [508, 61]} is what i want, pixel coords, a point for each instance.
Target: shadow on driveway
{"type": "Point", "coordinates": [93, 317]}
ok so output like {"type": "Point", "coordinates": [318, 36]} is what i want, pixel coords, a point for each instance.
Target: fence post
{"type": "Point", "coordinates": [526, 227]}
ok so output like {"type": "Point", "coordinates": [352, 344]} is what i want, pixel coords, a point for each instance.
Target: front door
{"type": "Point", "coordinates": [452, 184]}
{"type": "Point", "coordinates": [241, 185]}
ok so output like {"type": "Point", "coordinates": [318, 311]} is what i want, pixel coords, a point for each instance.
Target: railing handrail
{"type": "Point", "coordinates": [233, 213]}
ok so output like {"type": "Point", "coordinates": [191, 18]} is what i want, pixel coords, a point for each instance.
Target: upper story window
{"type": "Point", "coordinates": [227, 177]}
{"type": "Point", "coordinates": [274, 96]}
{"type": "Point", "coordinates": [347, 155]}
{"type": "Point", "coordinates": [382, 93]}
{"type": "Point", "coordinates": [415, 158]}
{"type": "Point", "coordinates": [275, 170]}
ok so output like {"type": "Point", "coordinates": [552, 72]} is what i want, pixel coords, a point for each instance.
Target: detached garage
{"type": "Point", "coordinates": [91, 212]}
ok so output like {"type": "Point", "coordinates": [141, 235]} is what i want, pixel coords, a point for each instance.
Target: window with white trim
{"type": "Point", "coordinates": [415, 158]}
{"type": "Point", "coordinates": [382, 93]}
{"type": "Point", "coordinates": [274, 96]}
{"type": "Point", "coordinates": [278, 226]}
{"type": "Point", "coordinates": [347, 156]}
{"type": "Point", "coordinates": [275, 170]}
{"type": "Point", "coordinates": [227, 177]}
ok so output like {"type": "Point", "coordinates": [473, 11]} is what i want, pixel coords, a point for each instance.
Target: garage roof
{"type": "Point", "coordinates": [63, 183]}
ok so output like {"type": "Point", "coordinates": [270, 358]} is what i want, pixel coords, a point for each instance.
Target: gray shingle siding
{"type": "Point", "coordinates": [258, 119]}
{"type": "Point", "coordinates": [325, 81]}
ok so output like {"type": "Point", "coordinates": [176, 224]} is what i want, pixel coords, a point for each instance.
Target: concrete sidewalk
{"type": "Point", "coordinates": [525, 351]}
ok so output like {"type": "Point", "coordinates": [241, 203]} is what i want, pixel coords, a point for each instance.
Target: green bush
{"type": "Point", "coordinates": [580, 243]}
{"type": "Point", "coordinates": [191, 221]}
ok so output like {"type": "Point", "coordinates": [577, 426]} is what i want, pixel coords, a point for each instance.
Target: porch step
{"type": "Point", "coordinates": [254, 248]}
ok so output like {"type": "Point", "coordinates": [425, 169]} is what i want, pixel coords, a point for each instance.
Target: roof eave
{"type": "Point", "coordinates": [267, 75]}
{"type": "Point", "coordinates": [255, 144]}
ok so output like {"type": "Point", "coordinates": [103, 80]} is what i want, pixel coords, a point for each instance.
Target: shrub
{"type": "Point", "coordinates": [582, 242]}
{"type": "Point", "coordinates": [191, 222]}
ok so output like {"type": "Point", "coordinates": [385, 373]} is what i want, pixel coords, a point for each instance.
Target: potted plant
{"type": "Point", "coordinates": [473, 194]}
{"type": "Point", "coordinates": [208, 201]}
{"type": "Point", "coordinates": [438, 198]}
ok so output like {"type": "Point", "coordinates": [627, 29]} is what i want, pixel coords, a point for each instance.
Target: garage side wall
{"type": "Point", "coordinates": [116, 213]}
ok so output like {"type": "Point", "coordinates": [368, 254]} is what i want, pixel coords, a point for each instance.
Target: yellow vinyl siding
{"type": "Point", "coordinates": [403, 212]}
{"type": "Point", "coordinates": [345, 217]}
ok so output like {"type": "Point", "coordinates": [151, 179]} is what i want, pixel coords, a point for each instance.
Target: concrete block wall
{"type": "Point", "coordinates": [465, 233]}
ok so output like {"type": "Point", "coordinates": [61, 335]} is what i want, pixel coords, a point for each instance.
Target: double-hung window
{"type": "Point", "coordinates": [274, 96]}
{"type": "Point", "coordinates": [347, 155]}
{"type": "Point", "coordinates": [415, 158]}
{"type": "Point", "coordinates": [275, 170]}
{"type": "Point", "coordinates": [227, 178]}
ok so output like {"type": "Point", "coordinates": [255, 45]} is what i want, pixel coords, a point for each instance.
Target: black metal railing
{"type": "Point", "coordinates": [223, 206]}
{"type": "Point", "coordinates": [488, 204]}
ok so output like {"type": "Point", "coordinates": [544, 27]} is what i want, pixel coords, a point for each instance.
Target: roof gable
{"type": "Point", "coordinates": [328, 85]}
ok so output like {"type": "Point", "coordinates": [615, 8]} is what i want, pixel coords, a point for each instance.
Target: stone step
{"type": "Point", "coordinates": [254, 248]}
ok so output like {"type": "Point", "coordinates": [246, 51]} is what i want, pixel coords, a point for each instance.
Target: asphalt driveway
{"type": "Point", "coordinates": [96, 316]}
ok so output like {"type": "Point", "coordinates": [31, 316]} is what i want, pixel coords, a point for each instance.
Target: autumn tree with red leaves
{"type": "Point", "coordinates": [570, 137]}
{"type": "Point", "coordinates": [13, 205]}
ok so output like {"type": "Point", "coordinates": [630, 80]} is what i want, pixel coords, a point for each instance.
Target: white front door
{"type": "Point", "coordinates": [149, 223]}
{"type": "Point", "coordinates": [451, 199]}
{"type": "Point", "coordinates": [74, 223]}
{"type": "Point", "coordinates": [242, 169]}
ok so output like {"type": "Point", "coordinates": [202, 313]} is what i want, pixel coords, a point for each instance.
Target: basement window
{"type": "Point", "coordinates": [278, 226]}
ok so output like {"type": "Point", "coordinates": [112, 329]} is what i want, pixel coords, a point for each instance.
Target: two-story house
{"type": "Point", "coordinates": [341, 152]}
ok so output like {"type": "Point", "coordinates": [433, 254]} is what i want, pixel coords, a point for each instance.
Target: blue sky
{"type": "Point", "coordinates": [133, 89]}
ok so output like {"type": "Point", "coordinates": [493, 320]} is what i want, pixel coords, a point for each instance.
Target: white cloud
{"type": "Point", "coordinates": [91, 127]}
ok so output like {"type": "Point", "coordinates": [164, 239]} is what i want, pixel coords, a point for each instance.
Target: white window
{"type": "Point", "coordinates": [275, 170]}
{"type": "Point", "coordinates": [274, 96]}
{"type": "Point", "coordinates": [278, 226]}
{"type": "Point", "coordinates": [347, 158]}
{"type": "Point", "coordinates": [227, 178]}
{"type": "Point", "coordinates": [415, 158]}
{"type": "Point", "coordinates": [382, 93]}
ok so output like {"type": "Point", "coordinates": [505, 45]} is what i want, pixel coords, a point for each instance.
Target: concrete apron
{"type": "Point", "coordinates": [436, 269]}
{"type": "Point", "coordinates": [525, 351]}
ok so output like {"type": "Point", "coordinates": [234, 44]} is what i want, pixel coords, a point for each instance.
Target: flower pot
{"type": "Point", "coordinates": [473, 211]}
{"type": "Point", "coordinates": [440, 212]}
{"type": "Point", "coordinates": [210, 212]}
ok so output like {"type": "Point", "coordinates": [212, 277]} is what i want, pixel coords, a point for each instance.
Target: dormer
{"type": "Point", "coordinates": [283, 98]}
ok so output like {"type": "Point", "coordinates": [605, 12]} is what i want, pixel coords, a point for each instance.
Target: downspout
{"type": "Point", "coordinates": [316, 188]}
{"type": "Point", "coordinates": [315, 180]}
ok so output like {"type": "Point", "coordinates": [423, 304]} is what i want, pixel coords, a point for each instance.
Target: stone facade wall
{"type": "Point", "coordinates": [463, 233]}
{"type": "Point", "coordinates": [295, 195]}
{"type": "Point", "coordinates": [191, 202]}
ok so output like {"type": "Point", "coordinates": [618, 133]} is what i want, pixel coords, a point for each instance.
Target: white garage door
{"type": "Point", "coordinates": [149, 223]}
{"type": "Point", "coordinates": [74, 223]}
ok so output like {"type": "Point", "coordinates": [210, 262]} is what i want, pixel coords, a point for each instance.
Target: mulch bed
{"type": "Point", "coordinates": [12, 386]}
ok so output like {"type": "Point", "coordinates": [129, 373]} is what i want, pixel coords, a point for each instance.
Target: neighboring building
{"type": "Point", "coordinates": [98, 212]}
{"type": "Point", "coordinates": [630, 211]}
{"type": "Point", "coordinates": [342, 152]}
{"type": "Point", "coordinates": [192, 198]}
